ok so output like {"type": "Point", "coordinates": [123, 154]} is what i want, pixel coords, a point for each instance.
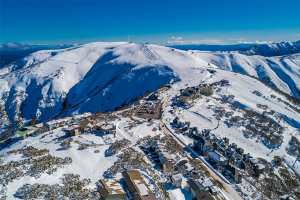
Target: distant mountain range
{"type": "Point", "coordinates": [263, 49]}
{"type": "Point", "coordinates": [10, 52]}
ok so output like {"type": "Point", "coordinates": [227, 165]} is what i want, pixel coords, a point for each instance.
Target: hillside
{"type": "Point", "coordinates": [109, 107]}
{"type": "Point", "coordinates": [280, 72]}
{"type": "Point", "coordinates": [72, 80]}
{"type": "Point", "coordinates": [267, 49]}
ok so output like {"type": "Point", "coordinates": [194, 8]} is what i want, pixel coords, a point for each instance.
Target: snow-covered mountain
{"type": "Point", "coordinates": [93, 77]}
{"type": "Point", "coordinates": [249, 102]}
{"type": "Point", "coordinates": [274, 49]}
{"type": "Point", "coordinates": [104, 76]}
{"type": "Point", "coordinates": [11, 52]}
{"type": "Point", "coordinates": [281, 72]}
{"type": "Point", "coordinates": [263, 48]}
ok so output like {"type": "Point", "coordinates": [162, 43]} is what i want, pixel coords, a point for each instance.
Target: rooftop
{"type": "Point", "coordinates": [112, 186]}
{"type": "Point", "coordinates": [138, 180]}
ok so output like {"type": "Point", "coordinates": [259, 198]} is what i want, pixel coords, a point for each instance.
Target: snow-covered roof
{"type": "Point", "coordinates": [142, 189]}
{"type": "Point", "coordinates": [138, 181]}
{"type": "Point", "coordinates": [207, 183]}
{"type": "Point", "coordinates": [176, 194]}
{"type": "Point", "coordinates": [177, 177]}
{"type": "Point", "coordinates": [112, 186]}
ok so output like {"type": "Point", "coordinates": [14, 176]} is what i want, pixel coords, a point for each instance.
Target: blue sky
{"type": "Point", "coordinates": [160, 21]}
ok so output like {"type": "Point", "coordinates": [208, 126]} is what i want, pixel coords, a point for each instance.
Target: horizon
{"type": "Point", "coordinates": [200, 98]}
{"type": "Point", "coordinates": [167, 22]}
{"type": "Point", "coordinates": [167, 43]}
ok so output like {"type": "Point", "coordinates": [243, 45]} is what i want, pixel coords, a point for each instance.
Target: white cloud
{"type": "Point", "coordinates": [178, 40]}
{"type": "Point", "coordinates": [181, 40]}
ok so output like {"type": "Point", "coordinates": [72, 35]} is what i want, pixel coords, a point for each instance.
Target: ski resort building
{"type": "Point", "coordinates": [26, 131]}
{"type": "Point", "coordinates": [177, 180]}
{"type": "Point", "coordinates": [165, 158]}
{"type": "Point", "coordinates": [149, 110]}
{"type": "Point", "coordinates": [137, 186]}
{"type": "Point", "coordinates": [74, 130]}
{"type": "Point", "coordinates": [110, 189]}
{"type": "Point", "coordinates": [202, 189]}
{"type": "Point", "coordinates": [86, 125]}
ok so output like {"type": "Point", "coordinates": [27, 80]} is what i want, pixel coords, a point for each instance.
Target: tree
{"type": "Point", "coordinates": [206, 90]}
{"type": "Point", "coordinates": [297, 159]}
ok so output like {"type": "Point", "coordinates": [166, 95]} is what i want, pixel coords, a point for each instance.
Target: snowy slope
{"type": "Point", "coordinates": [12, 52]}
{"type": "Point", "coordinates": [40, 84]}
{"type": "Point", "coordinates": [274, 49]}
{"type": "Point", "coordinates": [262, 48]}
{"type": "Point", "coordinates": [104, 76]}
{"type": "Point", "coordinates": [97, 76]}
{"type": "Point", "coordinates": [281, 72]}
{"type": "Point", "coordinates": [243, 89]}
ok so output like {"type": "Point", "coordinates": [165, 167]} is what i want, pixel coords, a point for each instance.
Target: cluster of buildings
{"type": "Point", "coordinates": [23, 132]}
{"type": "Point", "coordinates": [203, 189]}
{"type": "Point", "coordinates": [75, 126]}
{"type": "Point", "coordinates": [149, 109]}
{"type": "Point", "coordinates": [179, 173]}
{"type": "Point", "coordinates": [90, 125]}
{"type": "Point", "coordinates": [28, 130]}
{"type": "Point", "coordinates": [226, 157]}
{"type": "Point", "coordinates": [158, 153]}
{"type": "Point", "coordinates": [199, 189]}
{"type": "Point", "coordinates": [133, 185]}
{"type": "Point", "coordinates": [196, 91]}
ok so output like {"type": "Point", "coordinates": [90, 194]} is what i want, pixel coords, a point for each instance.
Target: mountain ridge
{"type": "Point", "coordinates": [84, 78]}
{"type": "Point", "coordinates": [268, 49]}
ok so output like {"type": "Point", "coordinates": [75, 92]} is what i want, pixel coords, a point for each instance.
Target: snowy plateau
{"type": "Point", "coordinates": [193, 123]}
